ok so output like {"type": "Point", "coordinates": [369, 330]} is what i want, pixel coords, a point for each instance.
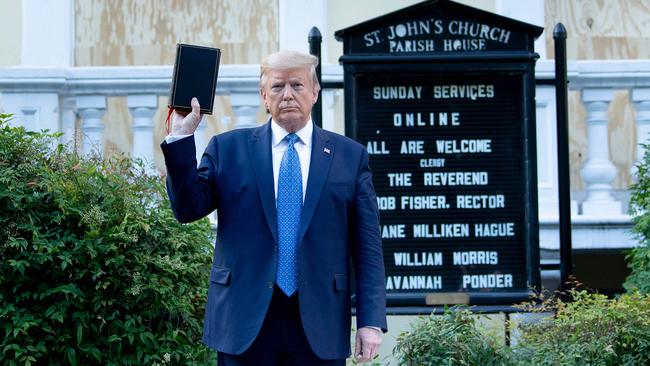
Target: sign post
{"type": "Point", "coordinates": [442, 96]}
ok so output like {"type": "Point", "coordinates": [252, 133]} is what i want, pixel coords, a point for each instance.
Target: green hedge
{"type": "Point", "coordinates": [589, 330]}
{"type": "Point", "coordinates": [94, 269]}
{"type": "Point", "coordinates": [447, 340]}
{"type": "Point", "coordinates": [639, 258]}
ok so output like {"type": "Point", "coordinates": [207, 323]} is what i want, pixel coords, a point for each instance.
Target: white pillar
{"type": "Point", "coordinates": [91, 109]}
{"type": "Point", "coordinates": [245, 105]}
{"type": "Point", "coordinates": [47, 33]}
{"type": "Point", "coordinates": [546, 131]}
{"type": "Point", "coordinates": [598, 171]}
{"type": "Point", "coordinates": [297, 17]}
{"type": "Point", "coordinates": [143, 107]}
{"type": "Point", "coordinates": [327, 102]}
{"type": "Point", "coordinates": [68, 119]}
{"type": "Point", "coordinates": [529, 11]}
{"type": "Point", "coordinates": [34, 111]}
{"type": "Point", "coordinates": [30, 117]}
{"type": "Point", "coordinates": [641, 100]}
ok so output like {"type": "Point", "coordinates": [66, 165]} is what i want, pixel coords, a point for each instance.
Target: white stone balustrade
{"type": "Point", "coordinates": [52, 98]}
{"type": "Point", "coordinates": [597, 80]}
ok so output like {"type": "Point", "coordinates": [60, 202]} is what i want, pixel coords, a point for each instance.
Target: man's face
{"type": "Point", "coordinates": [289, 95]}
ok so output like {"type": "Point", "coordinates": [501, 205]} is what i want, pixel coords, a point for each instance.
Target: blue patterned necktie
{"type": "Point", "coordinates": [289, 205]}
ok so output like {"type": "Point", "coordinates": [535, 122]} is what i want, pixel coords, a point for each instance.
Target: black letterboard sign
{"type": "Point", "coordinates": [442, 96]}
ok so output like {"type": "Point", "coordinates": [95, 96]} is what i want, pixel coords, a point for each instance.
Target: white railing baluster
{"type": "Point", "coordinates": [245, 105]}
{"type": "Point", "coordinates": [91, 109]}
{"type": "Point", "coordinates": [640, 98]}
{"type": "Point", "coordinates": [68, 120]}
{"type": "Point", "coordinates": [143, 108]}
{"type": "Point", "coordinates": [598, 172]}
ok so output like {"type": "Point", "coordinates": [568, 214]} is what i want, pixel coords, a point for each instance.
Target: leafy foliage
{"type": "Point", "coordinates": [639, 258]}
{"type": "Point", "coordinates": [589, 330]}
{"type": "Point", "coordinates": [449, 339]}
{"type": "Point", "coordinates": [94, 268]}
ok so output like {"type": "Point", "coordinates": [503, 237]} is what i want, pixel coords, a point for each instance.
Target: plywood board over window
{"type": "Point", "coordinates": [145, 32]}
{"type": "Point", "coordinates": [601, 30]}
{"type": "Point", "coordinates": [132, 32]}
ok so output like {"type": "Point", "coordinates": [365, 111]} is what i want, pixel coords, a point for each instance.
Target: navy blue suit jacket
{"type": "Point", "coordinates": [339, 225]}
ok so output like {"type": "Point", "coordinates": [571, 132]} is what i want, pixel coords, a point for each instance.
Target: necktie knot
{"type": "Point", "coordinates": [292, 138]}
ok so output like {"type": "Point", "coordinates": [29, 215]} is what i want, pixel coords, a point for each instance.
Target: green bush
{"type": "Point", "coordinates": [639, 257]}
{"type": "Point", "coordinates": [94, 269]}
{"type": "Point", "coordinates": [589, 330]}
{"type": "Point", "coordinates": [449, 339]}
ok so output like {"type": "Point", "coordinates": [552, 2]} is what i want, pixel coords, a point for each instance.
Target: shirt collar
{"type": "Point", "coordinates": [278, 133]}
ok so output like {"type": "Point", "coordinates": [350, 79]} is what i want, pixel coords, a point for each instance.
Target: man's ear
{"type": "Point", "coordinates": [266, 105]}
{"type": "Point", "coordinates": [314, 97]}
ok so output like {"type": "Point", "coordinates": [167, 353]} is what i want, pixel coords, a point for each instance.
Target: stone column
{"type": "Point", "coordinates": [529, 11]}
{"type": "Point", "coordinates": [328, 97]}
{"type": "Point", "coordinates": [547, 172]}
{"type": "Point", "coordinates": [245, 105]}
{"type": "Point", "coordinates": [35, 111]}
{"type": "Point", "coordinates": [49, 45]}
{"type": "Point", "coordinates": [143, 107]}
{"type": "Point", "coordinates": [598, 172]}
{"type": "Point", "coordinates": [91, 109]}
{"type": "Point", "coordinates": [30, 118]}
{"type": "Point", "coordinates": [640, 98]}
{"type": "Point", "coordinates": [296, 17]}
{"type": "Point", "coordinates": [68, 119]}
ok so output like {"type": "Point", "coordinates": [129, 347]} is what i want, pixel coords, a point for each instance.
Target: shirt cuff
{"type": "Point", "coordinates": [173, 138]}
{"type": "Point", "coordinates": [375, 328]}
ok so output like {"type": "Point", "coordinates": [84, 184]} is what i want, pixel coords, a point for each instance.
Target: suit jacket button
{"type": "Point", "coordinates": [270, 284]}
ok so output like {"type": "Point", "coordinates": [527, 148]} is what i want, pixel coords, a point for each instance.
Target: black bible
{"type": "Point", "coordinates": [195, 75]}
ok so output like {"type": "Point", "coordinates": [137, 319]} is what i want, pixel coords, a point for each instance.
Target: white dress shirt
{"type": "Point", "coordinates": [302, 146]}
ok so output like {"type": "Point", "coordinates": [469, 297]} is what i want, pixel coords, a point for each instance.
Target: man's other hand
{"type": "Point", "coordinates": [367, 344]}
{"type": "Point", "coordinates": [184, 123]}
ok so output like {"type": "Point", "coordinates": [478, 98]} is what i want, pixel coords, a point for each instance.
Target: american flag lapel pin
{"type": "Point", "coordinates": [327, 151]}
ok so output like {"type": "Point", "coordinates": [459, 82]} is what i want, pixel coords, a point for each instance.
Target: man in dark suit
{"type": "Point", "coordinates": [295, 207]}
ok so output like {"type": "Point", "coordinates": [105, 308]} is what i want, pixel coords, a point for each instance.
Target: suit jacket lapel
{"type": "Point", "coordinates": [260, 150]}
{"type": "Point", "coordinates": [321, 156]}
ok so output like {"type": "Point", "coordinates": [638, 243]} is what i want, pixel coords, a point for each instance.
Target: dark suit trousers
{"type": "Point", "coordinates": [281, 341]}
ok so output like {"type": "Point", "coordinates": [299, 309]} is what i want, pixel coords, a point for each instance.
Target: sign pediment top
{"type": "Point", "coordinates": [438, 26]}
{"type": "Point", "coordinates": [419, 10]}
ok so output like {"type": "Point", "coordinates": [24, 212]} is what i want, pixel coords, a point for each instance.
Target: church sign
{"type": "Point", "coordinates": [442, 96]}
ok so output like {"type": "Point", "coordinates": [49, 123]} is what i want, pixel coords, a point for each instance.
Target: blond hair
{"type": "Point", "coordinates": [287, 60]}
